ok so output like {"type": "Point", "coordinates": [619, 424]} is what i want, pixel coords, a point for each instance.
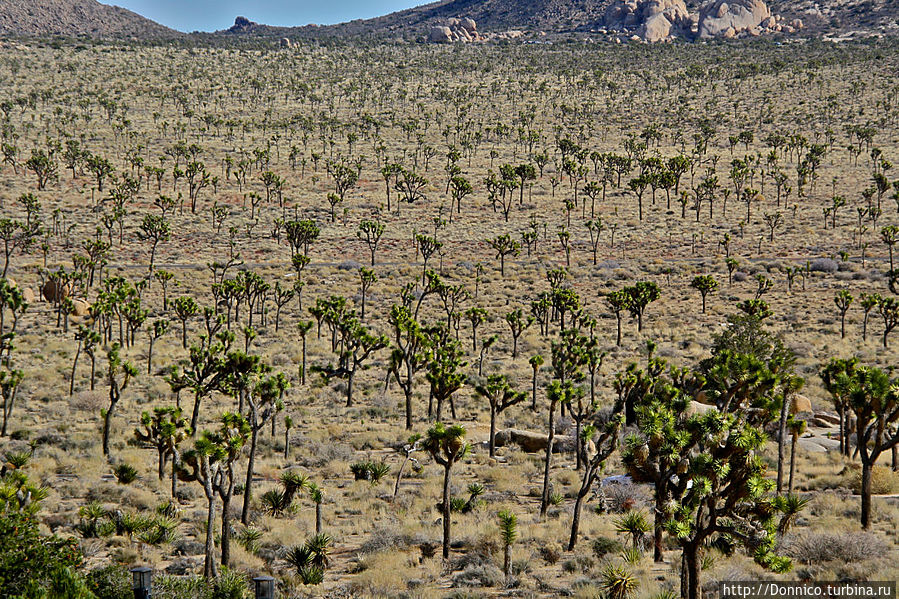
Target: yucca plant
{"type": "Point", "coordinates": [169, 509]}
{"type": "Point", "coordinates": [508, 531]}
{"type": "Point", "coordinates": [618, 582]}
{"type": "Point", "coordinates": [631, 555]}
{"type": "Point", "coordinates": [310, 575]}
{"type": "Point", "coordinates": [457, 504]}
{"type": "Point", "coordinates": [161, 531]}
{"type": "Point", "coordinates": [789, 506]}
{"type": "Point", "coordinates": [249, 539]}
{"type": "Point", "coordinates": [125, 474]}
{"type": "Point", "coordinates": [635, 524]}
{"type": "Point", "coordinates": [292, 482]}
{"type": "Point", "coordinates": [378, 471]}
{"type": "Point", "coordinates": [16, 460]}
{"type": "Point", "coordinates": [319, 548]}
{"type": "Point", "coordinates": [272, 502]}
{"type": "Point", "coordinates": [89, 517]}
{"type": "Point", "coordinates": [556, 499]}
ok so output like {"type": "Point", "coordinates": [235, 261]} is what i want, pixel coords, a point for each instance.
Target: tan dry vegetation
{"type": "Point", "coordinates": [231, 102]}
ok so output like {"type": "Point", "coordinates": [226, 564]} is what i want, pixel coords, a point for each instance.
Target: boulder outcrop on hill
{"type": "Point", "coordinates": [729, 18]}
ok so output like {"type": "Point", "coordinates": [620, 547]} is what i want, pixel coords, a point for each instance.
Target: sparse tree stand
{"type": "Point", "coordinates": [447, 446]}
{"type": "Point", "coordinates": [500, 396]}
{"type": "Point", "coordinates": [118, 375]}
{"type": "Point", "coordinates": [705, 284]}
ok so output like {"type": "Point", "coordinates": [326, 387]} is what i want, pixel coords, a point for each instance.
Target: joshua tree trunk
{"type": "Point", "coordinates": [248, 486]}
{"type": "Point", "coordinates": [534, 391]}
{"type": "Point", "coordinates": [318, 518]}
{"type": "Point", "coordinates": [174, 474]}
{"type": "Point", "coordinates": [782, 444]}
{"type": "Point", "coordinates": [793, 462]}
{"type": "Point", "coordinates": [446, 510]}
{"type": "Point", "coordinates": [209, 569]}
{"type": "Point", "coordinates": [544, 500]}
{"type": "Point", "coordinates": [690, 588]}
{"type": "Point", "coordinates": [866, 493]}
{"type": "Point", "coordinates": [74, 366]}
{"type": "Point", "coordinates": [492, 443]}
{"type": "Point", "coordinates": [226, 530]}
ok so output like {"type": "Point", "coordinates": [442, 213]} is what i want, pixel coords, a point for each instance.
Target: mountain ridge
{"type": "Point", "coordinates": [76, 17]}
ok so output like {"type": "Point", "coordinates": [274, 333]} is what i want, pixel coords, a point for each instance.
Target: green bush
{"type": "Point", "coordinates": [110, 582]}
{"type": "Point", "coordinates": [603, 546]}
{"type": "Point", "coordinates": [29, 558]}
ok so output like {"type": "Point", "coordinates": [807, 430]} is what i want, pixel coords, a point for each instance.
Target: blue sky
{"type": "Point", "coordinates": [212, 15]}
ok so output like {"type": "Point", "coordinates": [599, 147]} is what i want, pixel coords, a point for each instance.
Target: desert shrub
{"type": "Point", "coordinates": [479, 576]}
{"type": "Point", "coordinates": [579, 563]}
{"type": "Point", "coordinates": [883, 480]}
{"type": "Point", "coordinates": [125, 474]}
{"type": "Point", "coordinates": [230, 584]}
{"type": "Point", "coordinates": [823, 265]}
{"type": "Point", "coordinates": [817, 547]}
{"type": "Point", "coordinates": [28, 558]}
{"type": "Point", "coordinates": [180, 587]}
{"type": "Point", "coordinates": [603, 546]}
{"type": "Point", "coordinates": [623, 498]}
{"type": "Point", "coordinates": [386, 538]}
{"type": "Point", "coordinates": [370, 471]}
{"type": "Point", "coordinates": [550, 554]}
{"type": "Point", "coordinates": [110, 582]}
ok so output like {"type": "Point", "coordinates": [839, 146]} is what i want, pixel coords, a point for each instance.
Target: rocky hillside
{"type": "Point", "coordinates": [76, 17]}
{"type": "Point", "coordinates": [831, 17]}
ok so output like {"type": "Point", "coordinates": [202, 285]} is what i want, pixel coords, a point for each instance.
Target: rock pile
{"type": "Point", "coordinates": [456, 30]}
{"type": "Point", "coordinates": [663, 20]}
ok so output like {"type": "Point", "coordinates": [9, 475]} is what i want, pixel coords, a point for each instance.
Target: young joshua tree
{"type": "Point", "coordinates": [732, 265]}
{"type": "Point", "coordinates": [371, 231]}
{"type": "Point", "coordinates": [704, 284]}
{"type": "Point", "coordinates": [500, 396]}
{"type": "Point", "coordinates": [304, 326]}
{"type": "Point", "coordinates": [868, 302]}
{"type": "Point", "coordinates": [428, 246]}
{"type": "Point", "coordinates": [87, 341]}
{"type": "Point", "coordinates": [118, 375]}
{"type": "Point", "coordinates": [618, 302]}
{"type": "Point", "coordinates": [160, 327]}
{"type": "Point", "coordinates": [504, 246]}
{"type": "Point", "coordinates": [639, 296]}
{"type": "Point", "coordinates": [518, 325]}
{"type": "Point", "coordinates": [889, 312]}
{"type": "Point", "coordinates": [843, 299]}
{"type": "Point", "coordinates": [460, 188]}
{"type": "Point", "coordinates": [447, 446]}
{"type": "Point", "coordinates": [185, 308]}
{"type": "Point", "coordinates": [508, 530]}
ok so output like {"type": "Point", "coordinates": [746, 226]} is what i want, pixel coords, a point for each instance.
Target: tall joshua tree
{"type": "Point", "coordinates": [118, 375]}
{"type": "Point", "coordinates": [447, 446]}
{"type": "Point", "coordinates": [704, 284]}
{"type": "Point", "coordinates": [211, 463]}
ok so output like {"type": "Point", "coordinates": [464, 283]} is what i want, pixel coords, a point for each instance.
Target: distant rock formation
{"type": "Point", "coordinates": [653, 20]}
{"type": "Point", "coordinates": [729, 18]}
{"type": "Point", "coordinates": [663, 20]}
{"type": "Point", "coordinates": [466, 30]}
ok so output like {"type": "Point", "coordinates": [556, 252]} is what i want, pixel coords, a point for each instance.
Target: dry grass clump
{"type": "Point", "coordinates": [810, 547]}
{"type": "Point", "coordinates": [884, 481]}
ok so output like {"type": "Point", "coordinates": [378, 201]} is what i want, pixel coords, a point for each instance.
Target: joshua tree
{"type": "Point", "coordinates": [618, 302]}
{"type": "Point", "coordinates": [211, 463]}
{"type": "Point", "coordinates": [203, 370]}
{"type": "Point", "coordinates": [843, 299]}
{"type": "Point", "coordinates": [154, 229]}
{"type": "Point", "coordinates": [262, 405]}
{"type": "Point", "coordinates": [447, 446]}
{"type": "Point", "coordinates": [499, 394]}
{"type": "Point", "coordinates": [428, 246]}
{"type": "Point", "coordinates": [444, 369]}
{"type": "Point", "coordinates": [639, 296]}
{"type": "Point", "coordinates": [164, 430]}
{"type": "Point", "coordinates": [557, 393]}
{"type": "Point", "coordinates": [459, 188]}
{"type": "Point", "coordinates": [410, 447]}
{"type": "Point", "coordinates": [317, 495]}
{"type": "Point", "coordinates": [185, 308]}
{"type": "Point", "coordinates": [518, 324]}
{"type": "Point", "coordinates": [890, 236]}
{"type": "Point", "coordinates": [704, 284]}
{"type": "Point", "coordinates": [9, 387]}
{"type": "Point", "coordinates": [476, 316]}
{"type": "Point", "coordinates": [367, 278]}
{"type": "Point", "coordinates": [87, 341]}
{"type": "Point", "coordinates": [605, 443]}
{"type": "Point", "coordinates": [874, 400]}
{"type": "Point", "coordinates": [43, 166]}
{"type": "Point", "coordinates": [357, 344]}
{"type": "Point", "coordinates": [508, 531]}
{"type": "Point", "coordinates": [118, 375]}
{"type": "Point", "coordinates": [889, 311]}
{"type": "Point", "coordinates": [732, 265]}
{"type": "Point", "coordinates": [868, 303]}
{"type": "Point", "coordinates": [160, 328]}
{"type": "Point", "coordinates": [371, 231]}
{"type": "Point", "coordinates": [165, 278]}
{"type": "Point", "coordinates": [504, 246]}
